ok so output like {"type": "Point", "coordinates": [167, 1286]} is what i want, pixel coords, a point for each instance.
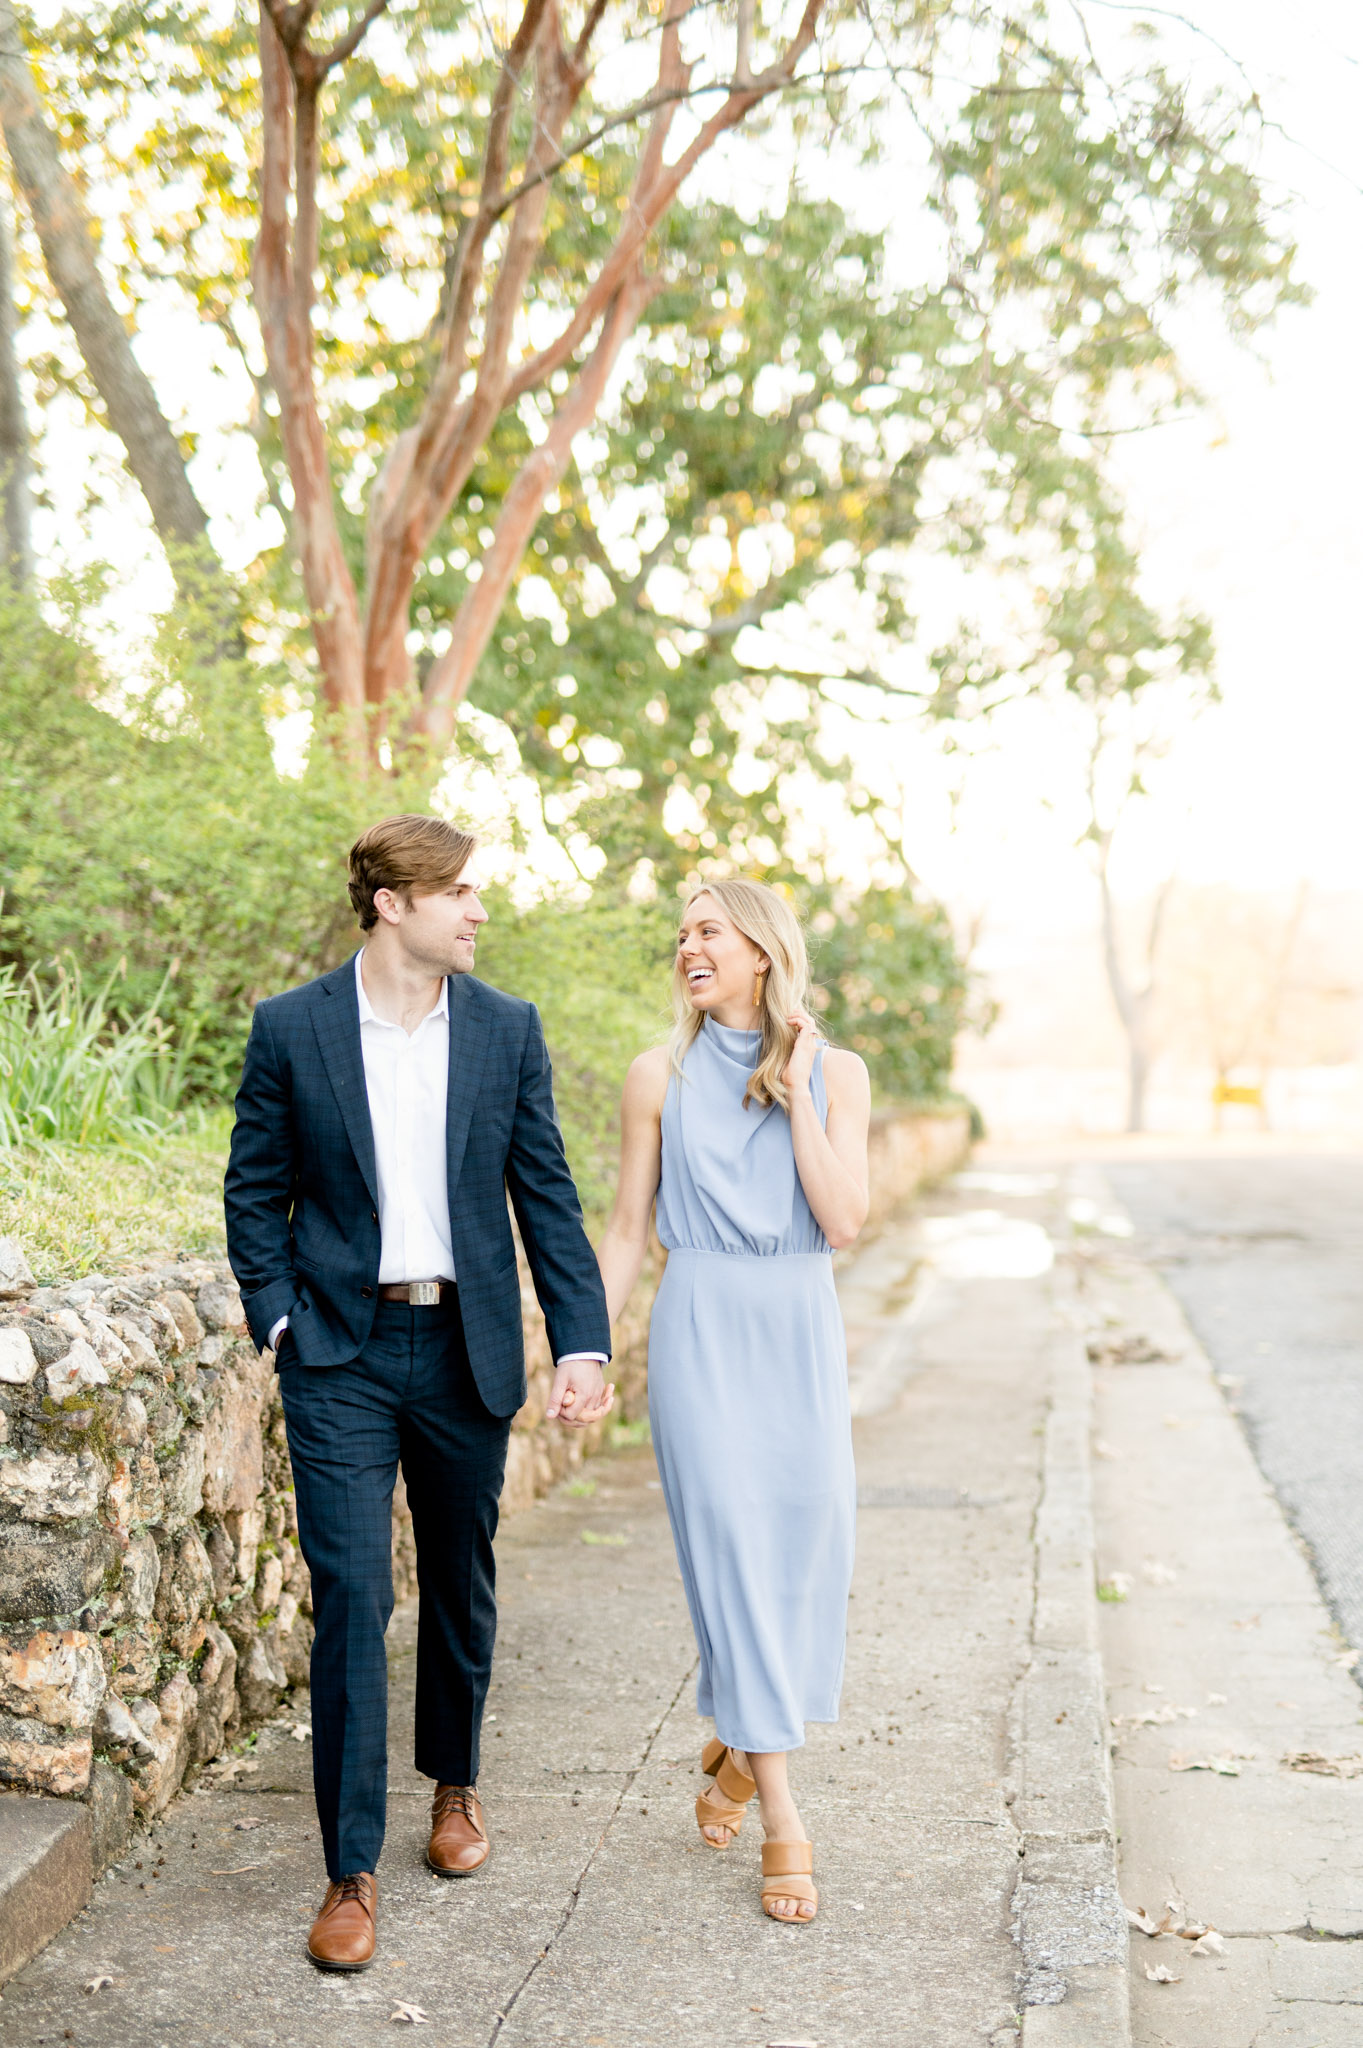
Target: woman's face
{"type": "Point", "coordinates": [718, 961]}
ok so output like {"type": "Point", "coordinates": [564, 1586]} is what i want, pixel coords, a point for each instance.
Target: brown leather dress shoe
{"type": "Point", "coordinates": [342, 1935]}
{"type": "Point", "coordinates": [459, 1843]}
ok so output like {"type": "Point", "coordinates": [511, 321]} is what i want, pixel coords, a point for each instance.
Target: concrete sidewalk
{"type": "Point", "coordinates": [1220, 1654]}
{"type": "Point", "coordinates": [602, 1921]}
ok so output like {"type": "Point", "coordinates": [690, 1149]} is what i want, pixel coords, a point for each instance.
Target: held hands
{"type": "Point", "coordinates": [800, 1065]}
{"type": "Point", "coordinates": [580, 1394]}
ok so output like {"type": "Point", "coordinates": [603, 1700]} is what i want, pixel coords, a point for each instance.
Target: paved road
{"type": "Point", "coordinates": [1265, 1256]}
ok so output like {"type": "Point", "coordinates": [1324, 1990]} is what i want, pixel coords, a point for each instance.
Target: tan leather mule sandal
{"type": "Point", "coordinates": [721, 1804]}
{"type": "Point", "coordinates": [787, 1873]}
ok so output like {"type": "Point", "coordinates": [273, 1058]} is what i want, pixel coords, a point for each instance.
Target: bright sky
{"type": "Point", "coordinates": [1252, 513]}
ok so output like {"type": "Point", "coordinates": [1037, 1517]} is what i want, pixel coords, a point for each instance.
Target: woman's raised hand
{"type": "Point", "coordinates": [798, 1068]}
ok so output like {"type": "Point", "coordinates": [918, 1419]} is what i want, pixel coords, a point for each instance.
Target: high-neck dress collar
{"type": "Point", "coordinates": [740, 1046]}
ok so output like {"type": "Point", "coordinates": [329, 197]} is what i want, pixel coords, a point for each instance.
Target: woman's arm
{"type": "Point", "coordinates": [831, 1163]}
{"type": "Point", "coordinates": [620, 1253]}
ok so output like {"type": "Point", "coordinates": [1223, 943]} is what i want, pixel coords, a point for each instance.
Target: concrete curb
{"type": "Point", "coordinates": [44, 1873]}
{"type": "Point", "coordinates": [1068, 1915]}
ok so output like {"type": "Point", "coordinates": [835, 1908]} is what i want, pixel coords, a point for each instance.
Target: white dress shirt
{"type": "Point", "coordinates": [406, 1077]}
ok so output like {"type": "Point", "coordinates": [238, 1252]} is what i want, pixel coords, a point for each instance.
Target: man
{"type": "Point", "coordinates": [384, 1113]}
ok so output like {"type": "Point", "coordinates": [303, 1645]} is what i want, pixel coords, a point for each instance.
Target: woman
{"type": "Point", "coordinates": [751, 1133]}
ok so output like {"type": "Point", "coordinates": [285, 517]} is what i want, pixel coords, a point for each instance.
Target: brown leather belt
{"type": "Point", "coordinates": [417, 1293]}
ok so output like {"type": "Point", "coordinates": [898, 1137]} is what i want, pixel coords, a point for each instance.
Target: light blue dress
{"type": "Point", "coordinates": [747, 1385]}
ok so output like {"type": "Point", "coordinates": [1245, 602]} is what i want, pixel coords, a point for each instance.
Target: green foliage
{"type": "Point", "coordinates": [893, 989]}
{"type": "Point", "coordinates": [599, 973]}
{"type": "Point", "coordinates": [151, 834]}
{"type": "Point", "coordinates": [796, 428]}
{"type": "Point", "coordinates": [71, 1072]}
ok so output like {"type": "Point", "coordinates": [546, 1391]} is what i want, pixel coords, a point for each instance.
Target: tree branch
{"type": "Point", "coordinates": [452, 672]}
{"type": "Point", "coordinates": [346, 45]}
{"type": "Point", "coordinates": [657, 186]}
{"type": "Point", "coordinates": [282, 277]}
{"type": "Point", "coordinates": [68, 241]}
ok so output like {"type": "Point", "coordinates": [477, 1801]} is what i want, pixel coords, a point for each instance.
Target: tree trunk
{"type": "Point", "coordinates": [1132, 1004]}
{"type": "Point", "coordinates": [1138, 1074]}
{"type": "Point", "coordinates": [66, 233]}
{"type": "Point", "coordinates": [15, 459]}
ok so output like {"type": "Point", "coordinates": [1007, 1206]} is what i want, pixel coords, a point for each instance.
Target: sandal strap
{"type": "Point", "coordinates": [732, 1782]}
{"type": "Point", "coordinates": [800, 1889]}
{"type": "Point", "coordinates": [713, 1810]}
{"type": "Point", "coordinates": [788, 1859]}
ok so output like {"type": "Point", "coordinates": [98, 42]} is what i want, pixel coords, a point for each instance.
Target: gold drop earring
{"type": "Point", "coordinates": [757, 988]}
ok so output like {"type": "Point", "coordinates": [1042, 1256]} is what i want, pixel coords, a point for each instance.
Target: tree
{"type": "Point", "coordinates": [64, 230]}
{"type": "Point", "coordinates": [475, 378]}
{"type": "Point", "coordinates": [785, 387]}
{"type": "Point", "coordinates": [15, 459]}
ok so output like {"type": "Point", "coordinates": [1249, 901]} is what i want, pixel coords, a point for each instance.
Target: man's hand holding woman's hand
{"type": "Point", "coordinates": [580, 1393]}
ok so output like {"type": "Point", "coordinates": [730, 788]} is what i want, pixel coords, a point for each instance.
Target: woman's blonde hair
{"type": "Point", "coordinates": [763, 915]}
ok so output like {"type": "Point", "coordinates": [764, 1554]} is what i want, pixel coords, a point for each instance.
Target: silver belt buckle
{"type": "Point", "coordinates": [424, 1293]}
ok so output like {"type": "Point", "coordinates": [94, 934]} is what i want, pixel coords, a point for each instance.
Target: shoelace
{"type": "Point", "coordinates": [347, 1891]}
{"type": "Point", "coordinates": [454, 1799]}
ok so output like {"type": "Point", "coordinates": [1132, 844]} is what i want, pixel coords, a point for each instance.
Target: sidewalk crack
{"type": "Point", "coordinates": [500, 2018]}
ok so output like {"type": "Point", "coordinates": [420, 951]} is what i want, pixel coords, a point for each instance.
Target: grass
{"type": "Point", "coordinates": [111, 1208]}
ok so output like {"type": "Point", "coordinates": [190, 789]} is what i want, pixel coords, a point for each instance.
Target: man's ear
{"type": "Point", "coordinates": [387, 905]}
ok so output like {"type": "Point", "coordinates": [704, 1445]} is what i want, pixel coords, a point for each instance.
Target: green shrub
{"type": "Point", "coordinates": [892, 988]}
{"type": "Point", "coordinates": [70, 1070]}
{"type": "Point", "coordinates": [146, 833]}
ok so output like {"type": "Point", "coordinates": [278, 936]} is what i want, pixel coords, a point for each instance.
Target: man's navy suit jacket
{"type": "Point", "coordinates": [302, 1192]}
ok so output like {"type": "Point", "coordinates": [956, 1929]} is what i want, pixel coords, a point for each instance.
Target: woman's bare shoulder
{"type": "Point", "coordinates": [845, 1073]}
{"type": "Point", "coordinates": [646, 1081]}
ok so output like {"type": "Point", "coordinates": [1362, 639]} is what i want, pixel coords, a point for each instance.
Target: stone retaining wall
{"type": "Point", "coordinates": [153, 1600]}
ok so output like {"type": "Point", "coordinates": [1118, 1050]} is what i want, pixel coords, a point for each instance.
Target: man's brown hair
{"type": "Point", "coordinates": [409, 854]}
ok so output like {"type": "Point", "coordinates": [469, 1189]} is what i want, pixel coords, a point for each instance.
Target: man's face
{"type": "Point", "coordinates": [437, 933]}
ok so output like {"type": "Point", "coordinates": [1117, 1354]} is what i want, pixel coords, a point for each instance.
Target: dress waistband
{"type": "Point", "coordinates": [696, 1251]}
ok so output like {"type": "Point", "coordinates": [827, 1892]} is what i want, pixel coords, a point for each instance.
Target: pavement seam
{"type": "Point", "coordinates": [1068, 1915]}
{"type": "Point", "coordinates": [509, 2005]}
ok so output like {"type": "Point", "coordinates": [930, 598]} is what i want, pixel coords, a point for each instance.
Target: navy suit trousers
{"type": "Point", "coordinates": [409, 1399]}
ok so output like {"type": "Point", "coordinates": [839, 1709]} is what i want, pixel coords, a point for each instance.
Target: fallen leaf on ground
{"type": "Point", "coordinates": [1227, 1766]}
{"type": "Point", "coordinates": [592, 1536]}
{"type": "Point", "coordinates": [411, 2014]}
{"type": "Point", "coordinates": [1104, 1450]}
{"type": "Point", "coordinates": [1208, 1944]}
{"type": "Point", "coordinates": [1115, 1587]}
{"type": "Point", "coordinates": [1155, 1717]}
{"type": "Point", "coordinates": [1161, 1974]}
{"type": "Point", "coordinates": [1322, 1766]}
{"type": "Point", "coordinates": [99, 1983]}
{"type": "Point", "coordinates": [1138, 1917]}
{"type": "Point", "coordinates": [300, 1731]}
{"type": "Point", "coordinates": [1216, 1699]}
{"type": "Point", "coordinates": [1133, 1349]}
{"type": "Point", "coordinates": [1156, 1574]}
